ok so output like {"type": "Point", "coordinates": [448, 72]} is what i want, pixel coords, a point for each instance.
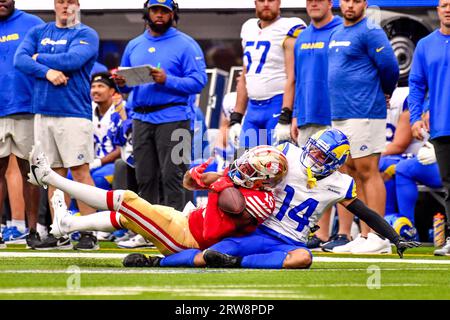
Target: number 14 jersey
{"type": "Point", "coordinates": [298, 208]}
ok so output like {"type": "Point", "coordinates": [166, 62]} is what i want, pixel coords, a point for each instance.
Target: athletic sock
{"type": "Point", "coordinates": [106, 221]}
{"type": "Point", "coordinates": [272, 260]}
{"type": "Point", "coordinates": [19, 224]}
{"type": "Point", "coordinates": [92, 196]}
{"type": "Point", "coordinates": [184, 258]}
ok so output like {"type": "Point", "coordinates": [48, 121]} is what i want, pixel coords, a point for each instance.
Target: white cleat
{"type": "Point", "coordinates": [59, 227]}
{"type": "Point", "coordinates": [39, 168]}
{"type": "Point", "coordinates": [373, 245]}
{"type": "Point", "coordinates": [137, 241]}
{"type": "Point", "coordinates": [347, 248]}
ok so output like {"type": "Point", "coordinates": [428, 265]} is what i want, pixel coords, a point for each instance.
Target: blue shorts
{"type": "Point", "coordinates": [262, 240]}
{"type": "Point", "coordinates": [260, 120]}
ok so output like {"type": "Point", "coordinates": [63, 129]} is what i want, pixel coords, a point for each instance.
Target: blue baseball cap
{"type": "Point", "coordinates": [161, 3]}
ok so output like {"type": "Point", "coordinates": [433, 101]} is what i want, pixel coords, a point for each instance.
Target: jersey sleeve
{"type": "Point", "coordinates": [294, 27]}
{"type": "Point", "coordinates": [351, 191]}
{"type": "Point", "coordinates": [259, 204]}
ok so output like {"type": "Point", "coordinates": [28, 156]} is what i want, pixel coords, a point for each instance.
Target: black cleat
{"type": "Point", "coordinates": [138, 260]}
{"type": "Point", "coordinates": [33, 239]}
{"type": "Point", "coordinates": [215, 259]}
{"type": "Point", "coordinates": [52, 243]}
{"type": "Point", "coordinates": [87, 242]}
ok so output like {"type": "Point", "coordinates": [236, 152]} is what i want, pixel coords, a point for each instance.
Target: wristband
{"type": "Point", "coordinates": [235, 117]}
{"type": "Point", "coordinates": [285, 116]}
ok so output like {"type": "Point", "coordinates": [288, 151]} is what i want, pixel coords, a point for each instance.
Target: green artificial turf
{"type": "Point", "coordinates": [101, 278]}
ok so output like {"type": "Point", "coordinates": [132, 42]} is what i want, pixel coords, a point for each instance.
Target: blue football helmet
{"type": "Point", "coordinates": [325, 152]}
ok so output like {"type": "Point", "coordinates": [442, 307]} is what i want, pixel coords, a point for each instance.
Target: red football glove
{"type": "Point", "coordinates": [221, 184]}
{"type": "Point", "coordinates": [197, 172]}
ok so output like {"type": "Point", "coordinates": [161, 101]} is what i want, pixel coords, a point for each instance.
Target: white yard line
{"type": "Point", "coordinates": [182, 291]}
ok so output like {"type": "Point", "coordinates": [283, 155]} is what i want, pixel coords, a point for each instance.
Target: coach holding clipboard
{"type": "Point", "coordinates": [162, 107]}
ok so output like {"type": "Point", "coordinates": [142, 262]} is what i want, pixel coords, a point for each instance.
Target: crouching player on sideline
{"type": "Point", "coordinates": [168, 229]}
{"type": "Point", "coordinates": [312, 185]}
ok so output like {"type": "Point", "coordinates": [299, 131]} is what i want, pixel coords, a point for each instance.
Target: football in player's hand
{"type": "Point", "coordinates": [231, 201]}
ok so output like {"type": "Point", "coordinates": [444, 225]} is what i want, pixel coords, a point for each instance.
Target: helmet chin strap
{"type": "Point", "coordinates": [311, 182]}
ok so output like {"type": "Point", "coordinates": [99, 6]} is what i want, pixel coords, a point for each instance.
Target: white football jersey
{"type": "Point", "coordinates": [264, 55]}
{"type": "Point", "coordinates": [298, 208]}
{"type": "Point", "coordinates": [102, 142]}
{"type": "Point", "coordinates": [397, 106]}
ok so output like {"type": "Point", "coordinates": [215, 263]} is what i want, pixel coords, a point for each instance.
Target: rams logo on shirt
{"type": "Point", "coordinates": [313, 45]}
{"type": "Point", "coordinates": [10, 37]}
{"type": "Point", "coordinates": [48, 41]}
{"type": "Point", "coordinates": [152, 50]}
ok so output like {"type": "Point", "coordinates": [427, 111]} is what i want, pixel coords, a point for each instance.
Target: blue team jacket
{"type": "Point", "coordinates": [312, 103]}
{"type": "Point", "coordinates": [362, 68]}
{"type": "Point", "coordinates": [431, 72]}
{"type": "Point", "coordinates": [70, 50]}
{"type": "Point", "coordinates": [182, 60]}
{"type": "Point", "coordinates": [15, 87]}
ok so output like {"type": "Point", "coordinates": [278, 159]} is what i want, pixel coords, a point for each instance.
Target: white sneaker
{"type": "Point", "coordinates": [373, 245]}
{"type": "Point", "coordinates": [347, 248]}
{"type": "Point", "coordinates": [137, 241]}
{"type": "Point", "coordinates": [104, 236]}
{"type": "Point", "coordinates": [39, 168]}
{"type": "Point", "coordinates": [445, 250]}
{"type": "Point", "coordinates": [58, 227]}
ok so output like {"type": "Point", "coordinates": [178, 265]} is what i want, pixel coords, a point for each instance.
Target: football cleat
{"type": "Point", "coordinates": [137, 241]}
{"type": "Point", "coordinates": [60, 212]}
{"type": "Point", "coordinates": [215, 259]}
{"type": "Point", "coordinates": [138, 260]}
{"type": "Point", "coordinates": [39, 168]}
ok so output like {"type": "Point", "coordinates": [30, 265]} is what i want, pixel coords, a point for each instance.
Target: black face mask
{"type": "Point", "coordinates": [158, 28]}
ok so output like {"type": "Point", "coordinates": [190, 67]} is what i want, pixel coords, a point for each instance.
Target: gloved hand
{"type": "Point", "coordinates": [197, 172]}
{"type": "Point", "coordinates": [403, 244]}
{"type": "Point", "coordinates": [235, 128]}
{"type": "Point", "coordinates": [426, 154]}
{"type": "Point", "coordinates": [97, 163]}
{"type": "Point", "coordinates": [221, 184]}
{"type": "Point", "coordinates": [283, 128]}
{"type": "Point", "coordinates": [282, 133]}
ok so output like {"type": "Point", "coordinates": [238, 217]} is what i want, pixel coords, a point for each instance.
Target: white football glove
{"type": "Point", "coordinates": [282, 132]}
{"type": "Point", "coordinates": [426, 154]}
{"type": "Point", "coordinates": [234, 133]}
{"type": "Point", "coordinates": [97, 163]}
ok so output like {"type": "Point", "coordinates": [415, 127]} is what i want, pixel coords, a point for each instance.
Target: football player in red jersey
{"type": "Point", "coordinates": [254, 174]}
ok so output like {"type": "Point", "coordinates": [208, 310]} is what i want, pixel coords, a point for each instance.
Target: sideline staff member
{"type": "Point", "coordinates": [162, 107]}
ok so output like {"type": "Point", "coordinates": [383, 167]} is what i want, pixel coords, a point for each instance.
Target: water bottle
{"type": "Point", "coordinates": [439, 230]}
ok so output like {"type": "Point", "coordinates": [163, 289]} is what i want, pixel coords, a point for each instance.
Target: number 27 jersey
{"type": "Point", "coordinates": [298, 208]}
{"type": "Point", "coordinates": [264, 55]}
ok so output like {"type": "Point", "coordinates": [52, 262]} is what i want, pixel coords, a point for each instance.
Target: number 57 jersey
{"type": "Point", "coordinates": [298, 208]}
{"type": "Point", "coordinates": [264, 55]}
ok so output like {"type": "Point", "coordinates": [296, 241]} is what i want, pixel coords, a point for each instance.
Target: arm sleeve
{"type": "Point", "coordinates": [23, 59]}
{"type": "Point", "coordinates": [83, 48]}
{"type": "Point", "coordinates": [382, 54]}
{"type": "Point", "coordinates": [215, 224]}
{"type": "Point", "coordinates": [417, 85]}
{"type": "Point", "coordinates": [373, 220]}
{"type": "Point", "coordinates": [194, 78]}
